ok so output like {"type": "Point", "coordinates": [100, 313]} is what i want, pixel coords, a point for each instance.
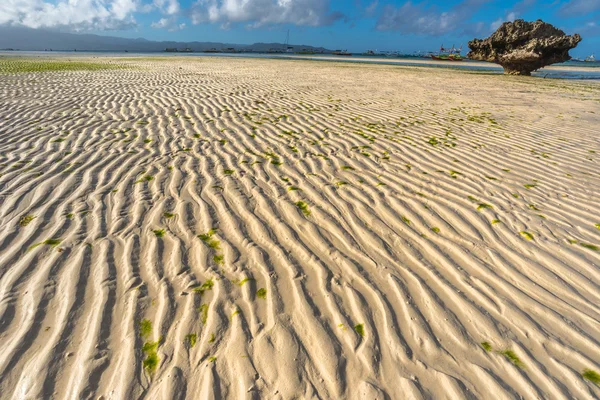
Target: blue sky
{"type": "Point", "coordinates": [355, 25]}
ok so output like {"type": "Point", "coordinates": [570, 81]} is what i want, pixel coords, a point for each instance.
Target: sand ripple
{"type": "Point", "coordinates": [285, 229]}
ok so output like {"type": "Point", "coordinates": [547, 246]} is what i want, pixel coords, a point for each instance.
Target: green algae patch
{"type": "Point", "coordinates": [513, 358]}
{"type": "Point", "coordinates": [261, 293]}
{"type": "Point", "coordinates": [303, 207]}
{"type": "Point", "coordinates": [208, 285]}
{"type": "Point", "coordinates": [360, 329]}
{"type": "Point", "coordinates": [203, 309]}
{"type": "Point", "coordinates": [244, 281]}
{"type": "Point", "coordinates": [151, 361]}
{"type": "Point", "coordinates": [145, 178]}
{"type": "Point", "coordinates": [590, 246]}
{"type": "Point", "coordinates": [48, 242]}
{"type": "Point", "coordinates": [10, 65]}
{"type": "Point", "coordinates": [191, 339]}
{"type": "Point", "coordinates": [591, 376]}
{"type": "Point", "coordinates": [145, 328]}
{"type": "Point", "coordinates": [527, 235]}
{"type": "Point", "coordinates": [26, 219]}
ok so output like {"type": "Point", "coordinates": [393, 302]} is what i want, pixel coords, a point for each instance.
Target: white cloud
{"type": "Point", "coordinates": [371, 8]}
{"type": "Point", "coordinates": [422, 19]}
{"type": "Point", "coordinates": [496, 24]}
{"type": "Point", "coordinates": [169, 24]}
{"type": "Point", "coordinates": [514, 13]}
{"type": "Point", "coordinates": [579, 7]}
{"type": "Point", "coordinates": [257, 13]}
{"type": "Point", "coordinates": [169, 7]}
{"type": "Point", "coordinates": [75, 14]}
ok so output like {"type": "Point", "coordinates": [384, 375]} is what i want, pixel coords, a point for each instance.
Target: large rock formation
{"type": "Point", "coordinates": [522, 47]}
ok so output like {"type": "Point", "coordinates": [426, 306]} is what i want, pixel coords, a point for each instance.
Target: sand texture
{"type": "Point", "coordinates": [240, 228]}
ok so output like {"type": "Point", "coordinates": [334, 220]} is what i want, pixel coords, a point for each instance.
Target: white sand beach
{"type": "Point", "coordinates": [206, 228]}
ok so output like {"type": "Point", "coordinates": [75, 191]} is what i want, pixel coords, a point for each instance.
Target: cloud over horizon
{"type": "Point", "coordinates": [74, 14]}
{"type": "Point", "coordinates": [258, 13]}
{"type": "Point", "coordinates": [579, 7]}
{"type": "Point", "coordinates": [425, 19]}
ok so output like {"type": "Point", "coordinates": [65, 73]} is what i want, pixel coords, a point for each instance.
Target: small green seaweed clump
{"type": "Point", "coordinates": [243, 281]}
{"type": "Point", "coordinates": [208, 285]}
{"type": "Point", "coordinates": [208, 239]}
{"type": "Point", "coordinates": [26, 219]}
{"type": "Point", "coordinates": [146, 178]}
{"type": "Point", "coordinates": [591, 376]}
{"type": "Point", "coordinates": [527, 235]}
{"type": "Point", "coordinates": [487, 346]}
{"type": "Point", "coordinates": [48, 242]}
{"type": "Point", "coordinates": [145, 328]}
{"type": "Point", "coordinates": [159, 233]}
{"type": "Point", "coordinates": [303, 207]}
{"type": "Point", "coordinates": [360, 329]}
{"type": "Point", "coordinates": [261, 293]}
{"type": "Point", "coordinates": [152, 360]}
{"type": "Point", "coordinates": [191, 339]}
{"type": "Point", "coordinates": [512, 357]}
{"type": "Point", "coordinates": [203, 309]}
{"type": "Point", "coordinates": [219, 259]}
{"type": "Point", "coordinates": [590, 246]}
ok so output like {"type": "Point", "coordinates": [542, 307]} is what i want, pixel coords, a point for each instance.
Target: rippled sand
{"type": "Point", "coordinates": [244, 228]}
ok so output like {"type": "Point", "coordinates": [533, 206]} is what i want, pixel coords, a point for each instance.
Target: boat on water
{"type": "Point", "coordinates": [448, 57]}
{"type": "Point", "coordinates": [306, 52]}
{"type": "Point", "coordinates": [286, 47]}
{"type": "Point", "coordinates": [590, 58]}
{"type": "Point", "coordinates": [341, 53]}
{"type": "Point", "coordinates": [377, 53]}
{"type": "Point", "coordinates": [451, 54]}
{"type": "Point", "coordinates": [176, 50]}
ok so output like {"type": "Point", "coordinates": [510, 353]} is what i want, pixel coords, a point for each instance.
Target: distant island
{"type": "Point", "coordinates": [27, 39]}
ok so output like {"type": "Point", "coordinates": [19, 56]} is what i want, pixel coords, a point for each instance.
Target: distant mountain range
{"type": "Point", "coordinates": [20, 38]}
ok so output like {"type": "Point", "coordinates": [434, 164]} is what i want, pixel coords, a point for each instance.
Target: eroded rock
{"type": "Point", "coordinates": [521, 47]}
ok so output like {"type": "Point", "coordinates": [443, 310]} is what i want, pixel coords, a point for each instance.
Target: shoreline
{"type": "Point", "coordinates": [558, 71]}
